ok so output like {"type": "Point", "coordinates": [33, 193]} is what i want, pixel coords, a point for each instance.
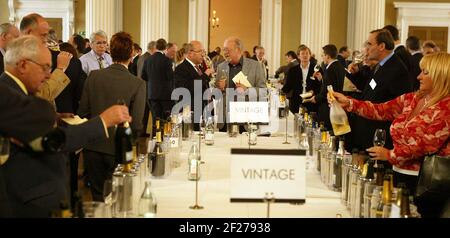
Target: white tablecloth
{"type": "Point", "coordinates": [175, 193]}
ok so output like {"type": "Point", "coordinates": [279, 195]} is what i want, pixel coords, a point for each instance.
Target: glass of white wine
{"type": "Point", "coordinates": [4, 150]}
{"type": "Point", "coordinates": [379, 138]}
{"type": "Point", "coordinates": [316, 69]}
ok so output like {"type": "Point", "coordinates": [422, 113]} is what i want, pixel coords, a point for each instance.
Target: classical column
{"type": "Point", "coordinates": [154, 20]}
{"type": "Point", "coordinates": [363, 17]}
{"type": "Point", "coordinates": [199, 22]}
{"type": "Point", "coordinates": [104, 15]}
{"type": "Point", "coordinates": [271, 32]}
{"type": "Point", "coordinates": [316, 24]}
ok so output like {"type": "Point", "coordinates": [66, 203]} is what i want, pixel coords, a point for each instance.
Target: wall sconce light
{"type": "Point", "coordinates": [214, 20]}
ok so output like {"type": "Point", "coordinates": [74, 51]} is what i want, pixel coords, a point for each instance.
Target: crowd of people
{"type": "Point", "coordinates": [110, 81]}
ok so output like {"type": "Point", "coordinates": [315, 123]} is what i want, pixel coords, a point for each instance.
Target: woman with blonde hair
{"type": "Point", "coordinates": [421, 125]}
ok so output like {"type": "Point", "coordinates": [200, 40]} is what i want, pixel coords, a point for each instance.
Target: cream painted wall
{"type": "Point", "coordinates": [290, 27]}
{"type": "Point", "coordinates": [132, 19]}
{"type": "Point", "coordinates": [237, 18]}
{"type": "Point", "coordinates": [179, 21]}
{"type": "Point", "coordinates": [4, 11]}
{"type": "Point", "coordinates": [338, 22]}
{"type": "Point", "coordinates": [391, 13]}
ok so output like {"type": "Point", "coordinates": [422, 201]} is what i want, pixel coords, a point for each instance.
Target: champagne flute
{"type": "Point", "coordinates": [316, 69]}
{"type": "Point", "coordinates": [379, 139]}
{"type": "Point", "coordinates": [4, 150]}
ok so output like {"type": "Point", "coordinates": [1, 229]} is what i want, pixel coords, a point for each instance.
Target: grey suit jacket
{"type": "Point", "coordinates": [252, 69]}
{"type": "Point", "coordinates": [102, 89]}
{"type": "Point", "coordinates": [140, 63]}
{"type": "Point", "coordinates": [255, 75]}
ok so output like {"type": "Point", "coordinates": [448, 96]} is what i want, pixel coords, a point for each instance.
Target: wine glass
{"type": "Point", "coordinates": [379, 138]}
{"type": "Point", "coordinates": [110, 193]}
{"type": "Point", "coordinates": [4, 150]}
{"type": "Point", "coordinates": [316, 69]}
{"type": "Point", "coordinates": [358, 58]}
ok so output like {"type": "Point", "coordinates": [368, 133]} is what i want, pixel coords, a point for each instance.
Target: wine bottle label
{"type": "Point", "coordinates": [395, 211]}
{"type": "Point", "coordinates": [129, 156]}
{"type": "Point", "coordinates": [209, 136]}
{"type": "Point", "coordinates": [173, 142]}
{"type": "Point", "coordinates": [193, 167]}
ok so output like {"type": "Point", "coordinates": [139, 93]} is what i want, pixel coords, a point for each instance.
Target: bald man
{"type": "Point", "coordinates": [8, 32]}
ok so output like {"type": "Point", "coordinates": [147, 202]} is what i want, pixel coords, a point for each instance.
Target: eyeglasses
{"type": "Point", "coordinates": [45, 67]}
{"type": "Point", "coordinates": [101, 42]}
{"type": "Point", "coordinates": [197, 51]}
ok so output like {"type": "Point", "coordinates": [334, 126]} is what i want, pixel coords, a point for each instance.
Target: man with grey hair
{"type": "Point", "coordinates": [36, 25]}
{"type": "Point", "coordinates": [36, 183]}
{"type": "Point", "coordinates": [97, 58]}
{"type": "Point", "coordinates": [151, 49]}
{"type": "Point", "coordinates": [234, 64]}
{"type": "Point", "coordinates": [8, 32]}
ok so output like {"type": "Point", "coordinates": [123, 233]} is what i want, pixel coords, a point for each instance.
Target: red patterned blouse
{"type": "Point", "coordinates": [413, 137]}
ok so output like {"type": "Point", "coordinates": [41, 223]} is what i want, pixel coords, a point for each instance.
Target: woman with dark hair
{"type": "Point", "coordinates": [78, 42]}
{"type": "Point", "coordinates": [103, 88]}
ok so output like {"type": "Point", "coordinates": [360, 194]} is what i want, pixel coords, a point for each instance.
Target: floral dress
{"type": "Point", "coordinates": [414, 137]}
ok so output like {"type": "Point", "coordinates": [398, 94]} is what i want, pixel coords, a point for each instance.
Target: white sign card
{"type": "Point", "coordinates": [244, 112]}
{"type": "Point", "coordinates": [257, 172]}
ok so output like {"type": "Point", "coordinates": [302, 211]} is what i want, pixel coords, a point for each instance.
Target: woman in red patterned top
{"type": "Point", "coordinates": [421, 121]}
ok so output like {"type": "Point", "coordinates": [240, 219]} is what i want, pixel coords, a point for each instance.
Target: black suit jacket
{"type": "Point", "coordinates": [334, 76]}
{"type": "Point", "coordinates": [158, 73]}
{"type": "Point", "coordinates": [2, 66]}
{"type": "Point", "coordinates": [69, 99]}
{"type": "Point", "coordinates": [392, 80]}
{"type": "Point", "coordinates": [415, 69]}
{"type": "Point", "coordinates": [103, 89]}
{"type": "Point", "coordinates": [36, 184]}
{"type": "Point", "coordinates": [294, 84]}
{"type": "Point", "coordinates": [132, 67]}
{"type": "Point", "coordinates": [185, 76]}
{"type": "Point", "coordinates": [342, 61]}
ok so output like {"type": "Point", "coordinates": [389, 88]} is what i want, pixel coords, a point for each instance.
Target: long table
{"type": "Point", "coordinates": [175, 194]}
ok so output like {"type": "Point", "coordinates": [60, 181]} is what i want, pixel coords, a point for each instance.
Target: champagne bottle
{"type": "Point", "coordinates": [252, 129]}
{"type": "Point", "coordinates": [147, 203]}
{"type": "Point", "coordinates": [384, 206]}
{"type": "Point", "coordinates": [405, 211]}
{"type": "Point", "coordinates": [158, 157]}
{"type": "Point", "coordinates": [337, 171]}
{"type": "Point", "coordinates": [123, 144]}
{"type": "Point", "coordinates": [338, 117]}
{"type": "Point", "coordinates": [209, 132]}
{"type": "Point", "coordinates": [193, 163]}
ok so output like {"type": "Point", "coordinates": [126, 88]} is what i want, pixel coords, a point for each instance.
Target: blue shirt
{"type": "Point", "coordinates": [91, 61]}
{"type": "Point", "coordinates": [387, 58]}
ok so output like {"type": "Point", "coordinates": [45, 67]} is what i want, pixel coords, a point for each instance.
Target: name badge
{"type": "Point", "coordinates": [373, 84]}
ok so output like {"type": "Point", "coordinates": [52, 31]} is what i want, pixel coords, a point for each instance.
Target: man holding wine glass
{"type": "Point", "coordinates": [334, 75]}
{"type": "Point", "coordinates": [300, 84]}
{"type": "Point", "coordinates": [420, 126]}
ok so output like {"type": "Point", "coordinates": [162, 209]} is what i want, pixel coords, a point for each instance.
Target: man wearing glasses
{"type": "Point", "coordinates": [189, 72]}
{"type": "Point", "coordinates": [97, 58]}
{"type": "Point", "coordinates": [36, 183]}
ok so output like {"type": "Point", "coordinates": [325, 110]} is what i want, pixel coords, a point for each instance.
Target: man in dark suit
{"type": "Point", "coordinates": [293, 86]}
{"type": "Point", "coordinates": [151, 49]}
{"type": "Point", "coordinates": [132, 67]}
{"type": "Point", "coordinates": [8, 32]}
{"type": "Point", "coordinates": [260, 52]}
{"type": "Point", "coordinates": [413, 45]}
{"type": "Point", "coordinates": [103, 88]}
{"type": "Point", "coordinates": [158, 73]}
{"type": "Point", "coordinates": [36, 184]}
{"type": "Point", "coordinates": [343, 55]}
{"type": "Point", "coordinates": [291, 60]}
{"type": "Point", "coordinates": [390, 79]}
{"type": "Point", "coordinates": [189, 72]}
{"type": "Point", "coordinates": [400, 50]}
{"type": "Point", "coordinates": [334, 75]}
